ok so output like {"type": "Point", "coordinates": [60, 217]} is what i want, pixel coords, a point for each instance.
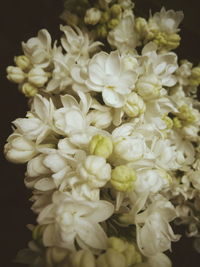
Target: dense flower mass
{"type": "Point", "coordinates": [111, 138]}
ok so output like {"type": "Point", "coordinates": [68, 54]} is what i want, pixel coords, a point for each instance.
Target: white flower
{"type": "Point", "coordinates": [95, 171]}
{"type": "Point", "coordinates": [32, 128]}
{"type": "Point", "coordinates": [151, 180]}
{"type": "Point", "coordinates": [19, 149]}
{"type": "Point", "coordinates": [129, 148]}
{"type": "Point", "coordinates": [134, 105]}
{"type": "Point", "coordinates": [77, 43]}
{"type": "Point", "coordinates": [123, 37]}
{"type": "Point", "coordinates": [107, 75]}
{"type": "Point", "coordinates": [154, 234]}
{"type": "Point", "coordinates": [166, 21]}
{"type": "Point", "coordinates": [37, 76]}
{"type": "Point", "coordinates": [36, 167]}
{"type": "Point", "coordinates": [162, 65]}
{"type": "Point", "coordinates": [38, 49]}
{"type": "Point", "coordinates": [68, 219]}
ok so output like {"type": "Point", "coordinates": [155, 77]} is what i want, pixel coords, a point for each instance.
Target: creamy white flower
{"type": "Point", "coordinates": [106, 75]}
{"type": "Point", "coordinates": [134, 105]}
{"type": "Point", "coordinates": [166, 21]}
{"type": "Point", "coordinates": [38, 49]}
{"type": "Point", "coordinates": [77, 43]}
{"type": "Point", "coordinates": [151, 180]}
{"type": "Point", "coordinates": [32, 128]}
{"type": "Point", "coordinates": [154, 234]}
{"type": "Point", "coordinates": [36, 167]}
{"type": "Point", "coordinates": [162, 65]}
{"type": "Point", "coordinates": [129, 148]}
{"type": "Point", "coordinates": [69, 220]}
{"type": "Point", "coordinates": [61, 78]}
{"type": "Point", "coordinates": [95, 171]}
{"type": "Point", "coordinates": [37, 76]}
{"type": "Point", "coordinates": [123, 37]}
{"type": "Point", "coordinates": [19, 149]}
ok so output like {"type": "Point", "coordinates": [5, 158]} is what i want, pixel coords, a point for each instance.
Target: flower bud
{"type": "Point", "coordinates": [92, 16]}
{"type": "Point", "coordinates": [149, 86]}
{"type": "Point", "coordinates": [37, 76]}
{"type": "Point", "coordinates": [29, 90]}
{"type": "Point", "coordinates": [116, 10]}
{"type": "Point", "coordinates": [15, 74]}
{"type": "Point", "coordinates": [55, 255]}
{"type": "Point", "coordinates": [141, 26]}
{"type": "Point", "coordinates": [101, 146]}
{"type": "Point", "coordinates": [177, 123]}
{"type": "Point", "coordinates": [105, 16]}
{"type": "Point", "coordinates": [113, 23]}
{"type": "Point", "coordinates": [111, 258]}
{"type": "Point", "coordinates": [82, 258]}
{"type": "Point", "coordinates": [117, 244]}
{"type": "Point", "coordinates": [102, 31]}
{"type": "Point", "coordinates": [134, 105]}
{"type": "Point", "coordinates": [131, 254]}
{"type": "Point", "coordinates": [19, 149]}
{"type": "Point", "coordinates": [22, 62]}
{"type": "Point", "coordinates": [38, 232]}
{"type": "Point", "coordinates": [95, 171]}
{"type": "Point", "coordinates": [122, 178]}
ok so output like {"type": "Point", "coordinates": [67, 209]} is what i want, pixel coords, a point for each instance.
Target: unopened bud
{"type": "Point", "coordinates": [22, 62]}
{"type": "Point", "coordinates": [101, 146]}
{"type": "Point", "coordinates": [92, 16]}
{"type": "Point", "coordinates": [29, 90]}
{"type": "Point", "coordinates": [15, 74]}
{"type": "Point", "coordinates": [37, 77]}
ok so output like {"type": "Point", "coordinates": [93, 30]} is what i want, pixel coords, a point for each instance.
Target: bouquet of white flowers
{"type": "Point", "coordinates": [111, 139]}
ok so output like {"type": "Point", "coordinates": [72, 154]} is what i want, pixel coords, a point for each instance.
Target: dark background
{"type": "Point", "coordinates": [19, 21]}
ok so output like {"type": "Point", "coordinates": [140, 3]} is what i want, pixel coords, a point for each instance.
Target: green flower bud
{"type": "Point", "coordinates": [168, 121]}
{"type": "Point", "coordinates": [29, 90]}
{"type": "Point", "coordinates": [101, 146]}
{"type": "Point", "coordinates": [117, 244]}
{"type": "Point", "coordinates": [177, 123]}
{"type": "Point", "coordinates": [82, 258]}
{"type": "Point", "coordinates": [141, 27]}
{"type": "Point", "coordinates": [132, 255]}
{"type": "Point", "coordinates": [122, 178]}
{"type": "Point", "coordinates": [112, 23]}
{"type": "Point", "coordinates": [15, 74]}
{"type": "Point", "coordinates": [105, 17]}
{"type": "Point", "coordinates": [102, 31]}
{"type": "Point", "coordinates": [116, 10]}
{"type": "Point", "coordinates": [22, 62]}
{"type": "Point", "coordinates": [111, 258]}
{"type": "Point", "coordinates": [55, 255]}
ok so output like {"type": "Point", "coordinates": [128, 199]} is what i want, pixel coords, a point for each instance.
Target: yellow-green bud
{"type": "Point", "coordinates": [37, 233]}
{"type": "Point", "coordinates": [112, 23]}
{"type": "Point", "coordinates": [22, 62]}
{"type": "Point", "coordinates": [102, 31]}
{"type": "Point", "coordinates": [195, 76]}
{"type": "Point", "coordinates": [29, 90]}
{"type": "Point", "coordinates": [101, 146]}
{"type": "Point", "coordinates": [55, 255]}
{"type": "Point", "coordinates": [82, 258]}
{"type": "Point", "coordinates": [122, 178]}
{"type": "Point", "coordinates": [167, 41]}
{"type": "Point", "coordinates": [105, 17]}
{"type": "Point", "coordinates": [177, 123]}
{"type": "Point", "coordinates": [141, 26]}
{"type": "Point", "coordinates": [187, 114]}
{"type": "Point", "coordinates": [117, 244]}
{"type": "Point", "coordinates": [168, 121]}
{"type": "Point", "coordinates": [111, 258]}
{"type": "Point", "coordinates": [15, 74]}
{"type": "Point", "coordinates": [132, 255]}
{"type": "Point", "coordinates": [115, 10]}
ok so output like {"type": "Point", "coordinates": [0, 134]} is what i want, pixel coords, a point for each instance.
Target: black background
{"type": "Point", "coordinates": [19, 21]}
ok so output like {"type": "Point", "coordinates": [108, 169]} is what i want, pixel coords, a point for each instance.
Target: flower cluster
{"type": "Point", "coordinates": [111, 138]}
